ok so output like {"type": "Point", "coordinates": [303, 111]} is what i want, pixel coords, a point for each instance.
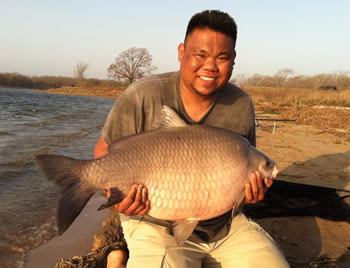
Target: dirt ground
{"type": "Point", "coordinates": [313, 149]}
{"type": "Point", "coordinates": [307, 155]}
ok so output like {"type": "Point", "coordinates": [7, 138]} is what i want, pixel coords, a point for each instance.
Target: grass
{"type": "Point", "coordinates": [298, 96]}
{"type": "Point", "coordinates": [328, 111]}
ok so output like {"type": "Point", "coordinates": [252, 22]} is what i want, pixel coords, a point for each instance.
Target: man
{"type": "Point", "coordinates": [201, 94]}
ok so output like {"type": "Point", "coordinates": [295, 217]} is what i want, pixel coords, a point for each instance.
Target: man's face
{"type": "Point", "coordinates": [206, 61]}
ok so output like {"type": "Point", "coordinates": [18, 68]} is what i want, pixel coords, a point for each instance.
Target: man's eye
{"type": "Point", "coordinates": [222, 58]}
{"type": "Point", "coordinates": [200, 55]}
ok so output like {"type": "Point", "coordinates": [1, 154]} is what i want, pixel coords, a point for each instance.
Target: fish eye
{"type": "Point", "coordinates": [269, 163]}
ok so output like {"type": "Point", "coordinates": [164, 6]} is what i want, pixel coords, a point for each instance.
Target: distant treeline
{"type": "Point", "coordinates": [285, 78]}
{"type": "Point", "coordinates": [16, 80]}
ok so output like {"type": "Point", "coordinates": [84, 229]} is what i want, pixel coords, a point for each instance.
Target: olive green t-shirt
{"type": "Point", "coordinates": [139, 109]}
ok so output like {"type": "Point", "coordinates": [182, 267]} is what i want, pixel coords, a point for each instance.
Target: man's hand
{"type": "Point", "coordinates": [135, 203]}
{"type": "Point", "coordinates": [256, 189]}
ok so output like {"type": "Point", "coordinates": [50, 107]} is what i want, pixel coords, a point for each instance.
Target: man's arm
{"type": "Point", "coordinates": [136, 202]}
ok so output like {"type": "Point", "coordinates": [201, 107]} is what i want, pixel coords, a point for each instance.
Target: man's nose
{"type": "Point", "coordinates": [210, 65]}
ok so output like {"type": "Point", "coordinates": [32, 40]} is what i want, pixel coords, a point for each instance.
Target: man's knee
{"type": "Point", "coordinates": [117, 259]}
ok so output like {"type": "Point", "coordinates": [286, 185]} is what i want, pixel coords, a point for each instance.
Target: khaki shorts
{"type": "Point", "coordinates": [246, 245]}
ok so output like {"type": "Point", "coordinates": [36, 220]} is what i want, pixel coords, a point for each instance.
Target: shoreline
{"type": "Point", "coordinates": [99, 92]}
{"type": "Point", "coordinates": [88, 92]}
{"type": "Point", "coordinates": [76, 241]}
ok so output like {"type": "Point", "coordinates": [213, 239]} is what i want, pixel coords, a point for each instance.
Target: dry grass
{"type": "Point", "coordinates": [299, 96]}
{"type": "Point", "coordinates": [326, 110]}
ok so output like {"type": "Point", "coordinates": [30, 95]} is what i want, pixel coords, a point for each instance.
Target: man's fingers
{"type": "Point", "coordinates": [268, 182]}
{"type": "Point", "coordinates": [260, 187]}
{"type": "Point", "coordinates": [146, 209]}
{"type": "Point", "coordinates": [135, 199]}
{"type": "Point", "coordinates": [255, 190]}
{"type": "Point", "coordinates": [141, 207]}
{"type": "Point", "coordinates": [254, 186]}
{"type": "Point", "coordinates": [144, 195]}
{"type": "Point", "coordinates": [142, 210]}
{"type": "Point", "coordinates": [135, 203]}
{"type": "Point", "coordinates": [248, 193]}
{"type": "Point", "coordinates": [124, 205]}
{"type": "Point", "coordinates": [132, 192]}
{"type": "Point", "coordinates": [128, 200]}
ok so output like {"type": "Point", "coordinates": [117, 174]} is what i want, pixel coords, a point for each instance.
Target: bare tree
{"type": "Point", "coordinates": [133, 63]}
{"type": "Point", "coordinates": [239, 80]}
{"type": "Point", "coordinates": [254, 80]}
{"type": "Point", "coordinates": [282, 75]}
{"type": "Point", "coordinates": [80, 70]}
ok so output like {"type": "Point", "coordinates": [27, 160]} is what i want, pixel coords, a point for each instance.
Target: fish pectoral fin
{"type": "Point", "coordinates": [238, 202]}
{"type": "Point", "coordinates": [183, 229]}
{"type": "Point", "coordinates": [116, 197]}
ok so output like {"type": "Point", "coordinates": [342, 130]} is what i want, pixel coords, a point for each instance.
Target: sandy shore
{"type": "Point", "coordinates": [76, 241]}
{"type": "Point", "coordinates": [90, 92]}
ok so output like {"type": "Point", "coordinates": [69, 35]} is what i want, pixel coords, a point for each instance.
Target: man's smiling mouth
{"type": "Point", "coordinates": [207, 78]}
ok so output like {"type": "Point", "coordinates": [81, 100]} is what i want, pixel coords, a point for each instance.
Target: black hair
{"type": "Point", "coordinates": [214, 20]}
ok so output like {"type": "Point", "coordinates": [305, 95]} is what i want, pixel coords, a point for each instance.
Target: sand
{"type": "Point", "coordinates": [76, 241]}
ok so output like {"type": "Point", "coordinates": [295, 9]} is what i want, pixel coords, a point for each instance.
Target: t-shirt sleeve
{"type": "Point", "coordinates": [250, 123]}
{"type": "Point", "coordinates": [124, 118]}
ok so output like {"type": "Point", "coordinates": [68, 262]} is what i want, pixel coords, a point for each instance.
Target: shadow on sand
{"type": "Point", "coordinates": [296, 214]}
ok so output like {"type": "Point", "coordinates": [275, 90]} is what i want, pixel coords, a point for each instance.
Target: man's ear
{"type": "Point", "coordinates": [180, 51]}
{"type": "Point", "coordinates": [234, 56]}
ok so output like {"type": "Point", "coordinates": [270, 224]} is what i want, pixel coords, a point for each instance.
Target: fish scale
{"type": "Point", "coordinates": [192, 173]}
{"type": "Point", "coordinates": [160, 159]}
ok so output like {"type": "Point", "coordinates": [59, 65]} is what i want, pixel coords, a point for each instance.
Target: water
{"type": "Point", "coordinates": [34, 123]}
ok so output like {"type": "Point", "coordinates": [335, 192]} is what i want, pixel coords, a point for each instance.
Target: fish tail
{"type": "Point", "coordinates": [65, 172]}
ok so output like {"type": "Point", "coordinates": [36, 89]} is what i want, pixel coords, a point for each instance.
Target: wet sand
{"type": "Point", "coordinates": [76, 241]}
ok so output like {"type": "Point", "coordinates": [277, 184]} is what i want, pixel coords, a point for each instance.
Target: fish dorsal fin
{"type": "Point", "coordinates": [170, 118]}
{"type": "Point", "coordinates": [183, 229]}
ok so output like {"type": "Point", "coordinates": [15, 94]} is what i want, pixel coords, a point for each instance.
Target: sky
{"type": "Point", "coordinates": [41, 37]}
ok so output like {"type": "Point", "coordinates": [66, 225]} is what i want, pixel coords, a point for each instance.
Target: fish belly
{"type": "Point", "coordinates": [188, 173]}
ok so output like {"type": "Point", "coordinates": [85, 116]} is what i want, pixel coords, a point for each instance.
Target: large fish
{"type": "Point", "coordinates": [192, 173]}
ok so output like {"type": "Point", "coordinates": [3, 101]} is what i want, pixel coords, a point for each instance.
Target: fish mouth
{"type": "Point", "coordinates": [274, 172]}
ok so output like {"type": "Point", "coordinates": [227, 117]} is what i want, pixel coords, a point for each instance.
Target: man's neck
{"type": "Point", "coordinates": [197, 106]}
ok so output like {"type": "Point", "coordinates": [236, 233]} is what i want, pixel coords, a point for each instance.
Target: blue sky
{"type": "Point", "coordinates": [47, 37]}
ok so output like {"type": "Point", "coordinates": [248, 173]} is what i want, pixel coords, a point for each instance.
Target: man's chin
{"type": "Point", "coordinates": [205, 92]}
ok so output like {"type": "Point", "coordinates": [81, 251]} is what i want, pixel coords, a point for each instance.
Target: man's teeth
{"type": "Point", "coordinates": [207, 78]}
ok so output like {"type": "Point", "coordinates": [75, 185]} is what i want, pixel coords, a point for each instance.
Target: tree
{"type": "Point", "coordinates": [133, 63]}
{"type": "Point", "coordinates": [80, 70]}
{"type": "Point", "coordinates": [239, 80]}
{"type": "Point", "coordinates": [282, 75]}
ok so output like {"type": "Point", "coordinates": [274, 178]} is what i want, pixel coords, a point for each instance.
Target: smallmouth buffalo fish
{"type": "Point", "coordinates": [192, 172]}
